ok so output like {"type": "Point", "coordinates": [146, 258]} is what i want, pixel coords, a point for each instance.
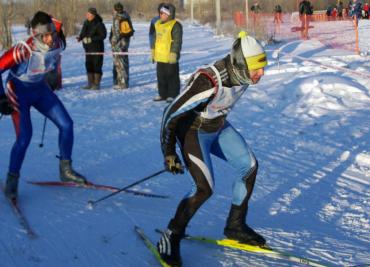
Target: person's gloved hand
{"type": "Point", "coordinates": [5, 107]}
{"type": "Point", "coordinates": [173, 164]}
{"type": "Point", "coordinates": [78, 39]}
{"type": "Point", "coordinates": [173, 58]}
{"type": "Point", "coordinates": [86, 40]}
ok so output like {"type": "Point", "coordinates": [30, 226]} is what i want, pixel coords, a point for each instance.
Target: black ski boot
{"type": "Point", "coordinates": [238, 230]}
{"type": "Point", "coordinates": [68, 174]}
{"type": "Point", "coordinates": [169, 246]}
{"type": "Point", "coordinates": [11, 186]}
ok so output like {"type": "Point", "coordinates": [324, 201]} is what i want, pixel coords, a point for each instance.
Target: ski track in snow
{"type": "Point", "coordinates": [308, 126]}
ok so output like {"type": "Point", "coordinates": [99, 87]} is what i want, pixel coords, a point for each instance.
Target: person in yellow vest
{"type": "Point", "coordinates": [166, 48]}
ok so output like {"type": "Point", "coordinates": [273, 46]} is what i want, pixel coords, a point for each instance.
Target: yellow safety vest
{"type": "Point", "coordinates": [163, 40]}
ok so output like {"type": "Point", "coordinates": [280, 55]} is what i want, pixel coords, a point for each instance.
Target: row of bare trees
{"type": "Point", "coordinates": [71, 12]}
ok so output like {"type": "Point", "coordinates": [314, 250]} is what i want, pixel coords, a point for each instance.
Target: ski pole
{"type": "Point", "coordinates": [43, 134]}
{"type": "Point", "coordinates": [91, 203]}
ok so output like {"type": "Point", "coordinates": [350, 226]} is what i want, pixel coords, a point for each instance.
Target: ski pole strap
{"type": "Point", "coordinates": [127, 187]}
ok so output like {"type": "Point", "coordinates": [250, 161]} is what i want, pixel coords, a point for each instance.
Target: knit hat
{"type": "Point", "coordinates": [253, 52]}
{"type": "Point", "coordinates": [92, 11]}
{"type": "Point", "coordinates": [118, 7]}
{"type": "Point", "coordinates": [165, 9]}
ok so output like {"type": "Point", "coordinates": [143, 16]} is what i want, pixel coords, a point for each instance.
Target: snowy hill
{"type": "Point", "coordinates": [307, 124]}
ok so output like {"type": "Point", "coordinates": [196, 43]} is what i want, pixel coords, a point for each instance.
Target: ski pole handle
{"type": "Point", "coordinates": [91, 203]}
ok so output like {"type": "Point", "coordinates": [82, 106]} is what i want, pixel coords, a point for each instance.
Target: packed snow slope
{"type": "Point", "coordinates": [308, 126]}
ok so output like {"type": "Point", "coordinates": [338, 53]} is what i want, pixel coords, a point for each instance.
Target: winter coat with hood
{"type": "Point", "coordinates": [96, 30]}
{"type": "Point", "coordinates": [115, 34]}
{"type": "Point", "coordinates": [176, 34]}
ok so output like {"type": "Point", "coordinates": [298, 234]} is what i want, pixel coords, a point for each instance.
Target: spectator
{"type": "Point", "coordinates": [121, 32]}
{"type": "Point", "coordinates": [256, 9]}
{"type": "Point", "coordinates": [92, 36]}
{"type": "Point", "coordinates": [366, 11]}
{"type": "Point", "coordinates": [278, 11]}
{"type": "Point", "coordinates": [166, 50]}
{"type": "Point", "coordinates": [305, 12]}
{"type": "Point", "coordinates": [357, 10]}
{"type": "Point", "coordinates": [340, 9]}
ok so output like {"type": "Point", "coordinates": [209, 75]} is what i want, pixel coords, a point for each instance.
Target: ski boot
{"type": "Point", "coordinates": [238, 230]}
{"type": "Point", "coordinates": [169, 246]}
{"type": "Point", "coordinates": [11, 186]}
{"type": "Point", "coordinates": [68, 174]}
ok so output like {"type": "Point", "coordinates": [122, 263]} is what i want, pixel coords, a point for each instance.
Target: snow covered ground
{"type": "Point", "coordinates": [308, 125]}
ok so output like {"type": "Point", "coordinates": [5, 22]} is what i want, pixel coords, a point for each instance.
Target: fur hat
{"type": "Point", "coordinates": [118, 7]}
{"type": "Point", "coordinates": [92, 11]}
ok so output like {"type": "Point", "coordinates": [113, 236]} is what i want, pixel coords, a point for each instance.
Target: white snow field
{"type": "Point", "coordinates": [307, 124]}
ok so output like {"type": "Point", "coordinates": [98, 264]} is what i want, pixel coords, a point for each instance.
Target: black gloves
{"type": "Point", "coordinates": [5, 107]}
{"type": "Point", "coordinates": [173, 164]}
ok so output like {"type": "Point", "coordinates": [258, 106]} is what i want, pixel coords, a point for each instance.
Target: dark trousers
{"type": "Point", "coordinates": [168, 78]}
{"type": "Point", "coordinates": [94, 63]}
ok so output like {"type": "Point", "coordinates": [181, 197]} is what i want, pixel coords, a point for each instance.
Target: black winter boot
{"type": "Point", "coordinates": [11, 186]}
{"type": "Point", "coordinates": [68, 174]}
{"type": "Point", "coordinates": [97, 80]}
{"type": "Point", "coordinates": [238, 230]}
{"type": "Point", "coordinates": [169, 246]}
{"type": "Point", "coordinates": [90, 81]}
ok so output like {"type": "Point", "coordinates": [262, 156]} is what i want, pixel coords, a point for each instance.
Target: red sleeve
{"type": "Point", "coordinates": [58, 24]}
{"type": "Point", "coordinates": [14, 56]}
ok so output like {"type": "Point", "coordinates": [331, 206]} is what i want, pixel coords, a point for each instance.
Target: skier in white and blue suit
{"type": "Point", "coordinates": [196, 121]}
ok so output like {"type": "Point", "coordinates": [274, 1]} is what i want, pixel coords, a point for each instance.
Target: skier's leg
{"type": "Point", "coordinates": [50, 106]}
{"type": "Point", "coordinates": [20, 101]}
{"type": "Point", "coordinates": [232, 147]}
{"type": "Point", "coordinates": [196, 156]}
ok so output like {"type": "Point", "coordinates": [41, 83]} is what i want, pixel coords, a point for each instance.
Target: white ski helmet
{"type": "Point", "coordinates": [246, 54]}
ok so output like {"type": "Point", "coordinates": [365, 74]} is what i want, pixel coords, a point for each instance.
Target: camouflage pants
{"type": "Point", "coordinates": [121, 64]}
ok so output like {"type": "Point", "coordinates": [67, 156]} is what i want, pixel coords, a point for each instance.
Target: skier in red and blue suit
{"type": "Point", "coordinates": [28, 63]}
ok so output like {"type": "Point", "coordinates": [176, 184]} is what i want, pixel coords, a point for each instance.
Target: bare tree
{"type": "Point", "coordinates": [6, 19]}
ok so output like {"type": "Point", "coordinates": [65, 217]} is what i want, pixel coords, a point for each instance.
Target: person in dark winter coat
{"type": "Point", "coordinates": [26, 87]}
{"type": "Point", "coordinates": [196, 122]}
{"type": "Point", "coordinates": [120, 34]}
{"type": "Point", "coordinates": [166, 49]}
{"type": "Point", "coordinates": [92, 36]}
